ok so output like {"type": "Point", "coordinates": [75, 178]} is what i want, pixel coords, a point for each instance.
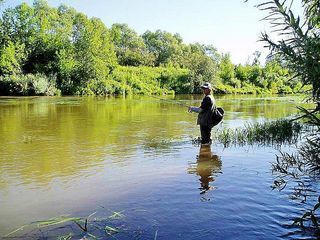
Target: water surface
{"type": "Point", "coordinates": [134, 155]}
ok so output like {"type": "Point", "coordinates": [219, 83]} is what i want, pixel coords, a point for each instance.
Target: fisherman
{"type": "Point", "coordinates": [205, 113]}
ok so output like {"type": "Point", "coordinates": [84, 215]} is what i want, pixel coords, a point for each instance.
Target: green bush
{"type": "Point", "coordinates": [148, 80]}
{"type": "Point", "coordinates": [28, 85]}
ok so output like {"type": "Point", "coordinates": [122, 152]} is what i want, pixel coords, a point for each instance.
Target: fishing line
{"type": "Point", "coordinates": [170, 101]}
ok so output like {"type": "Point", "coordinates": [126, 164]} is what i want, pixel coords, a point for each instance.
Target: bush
{"type": "Point", "coordinates": [148, 80]}
{"type": "Point", "coordinates": [27, 85]}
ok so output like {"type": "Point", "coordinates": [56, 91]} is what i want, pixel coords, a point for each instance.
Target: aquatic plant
{"type": "Point", "coordinates": [88, 227]}
{"type": "Point", "coordinates": [278, 132]}
{"type": "Point", "coordinates": [297, 169]}
{"type": "Point", "coordinates": [275, 133]}
{"type": "Point", "coordinates": [294, 172]}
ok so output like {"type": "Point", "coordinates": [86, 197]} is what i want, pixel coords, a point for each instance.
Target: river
{"type": "Point", "coordinates": [134, 159]}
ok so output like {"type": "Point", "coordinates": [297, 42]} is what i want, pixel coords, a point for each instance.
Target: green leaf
{"type": "Point", "coordinates": [314, 220]}
{"type": "Point", "coordinates": [16, 230]}
{"type": "Point", "coordinates": [56, 221]}
{"type": "Point", "coordinates": [108, 228]}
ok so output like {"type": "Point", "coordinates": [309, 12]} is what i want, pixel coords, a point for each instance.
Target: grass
{"type": "Point", "coordinates": [275, 133]}
{"type": "Point", "coordinates": [278, 132]}
{"type": "Point", "coordinates": [83, 227]}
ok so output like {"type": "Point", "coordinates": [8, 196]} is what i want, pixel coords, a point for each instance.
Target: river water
{"type": "Point", "coordinates": [134, 159]}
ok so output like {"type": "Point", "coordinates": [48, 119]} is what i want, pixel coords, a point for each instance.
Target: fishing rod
{"type": "Point", "coordinates": [170, 101]}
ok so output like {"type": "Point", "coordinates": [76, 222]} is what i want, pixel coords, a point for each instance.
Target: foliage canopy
{"type": "Point", "coordinates": [80, 55]}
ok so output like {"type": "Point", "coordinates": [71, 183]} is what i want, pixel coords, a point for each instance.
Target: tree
{"type": "Point", "coordinates": [300, 48]}
{"type": "Point", "coordinates": [202, 61]}
{"type": "Point", "coordinates": [91, 56]}
{"type": "Point", "coordinates": [55, 41]}
{"type": "Point", "coordinates": [165, 47]}
{"type": "Point", "coordinates": [130, 47]}
{"type": "Point", "coordinates": [226, 70]}
{"type": "Point", "coordinates": [242, 72]}
{"type": "Point", "coordinates": [11, 57]}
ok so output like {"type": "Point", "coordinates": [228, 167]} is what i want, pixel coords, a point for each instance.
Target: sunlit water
{"type": "Point", "coordinates": [135, 156]}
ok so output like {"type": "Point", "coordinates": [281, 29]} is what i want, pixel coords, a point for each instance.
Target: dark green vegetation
{"type": "Point", "coordinates": [278, 132]}
{"type": "Point", "coordinates": [52, 51]}
{"type": "Point", "coordinates": [298, 171]}
{"type": "Point", "coordinates": [300, 49]}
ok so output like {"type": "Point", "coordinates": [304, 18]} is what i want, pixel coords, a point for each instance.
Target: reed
{"type": "Point", "coordinates": [278, 132]}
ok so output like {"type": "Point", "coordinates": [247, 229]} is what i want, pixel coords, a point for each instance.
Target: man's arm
{"type": "Point", "coordinates": [194, 109]}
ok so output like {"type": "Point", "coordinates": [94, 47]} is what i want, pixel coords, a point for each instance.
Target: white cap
{"type": "Point", "coordinates": [206, 85]}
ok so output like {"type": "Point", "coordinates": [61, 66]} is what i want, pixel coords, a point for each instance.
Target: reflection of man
{"type": "Point", "coordinates": [207, 165]}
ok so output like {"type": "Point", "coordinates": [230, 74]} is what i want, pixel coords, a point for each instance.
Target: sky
{"type": "Point", "coordinates": [232, 26]}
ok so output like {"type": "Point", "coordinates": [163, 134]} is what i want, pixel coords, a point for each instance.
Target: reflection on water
{"type": "Point", "coordinates": [68, 155]}
{"type": "Point", "coordinates": [208, 165]}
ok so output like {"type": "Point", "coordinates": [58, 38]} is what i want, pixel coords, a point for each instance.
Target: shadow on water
{"type": "Point", "coordinates": [208, 165]}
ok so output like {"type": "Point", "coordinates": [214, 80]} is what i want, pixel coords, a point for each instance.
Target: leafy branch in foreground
{"type": "Point", "coordinates": [299, 171]}
{"type": "Point", "coordinates": [299, 46]}
{"type": "Point", "coordinates": [299, 49]}
{"type": "Point", "coordinates": [312, 216]}
{"type": "Point", "coordinates": [294, 172]}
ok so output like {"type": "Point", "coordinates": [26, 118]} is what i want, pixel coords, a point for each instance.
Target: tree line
{"type": "Point", "coordinates": [51, 51]}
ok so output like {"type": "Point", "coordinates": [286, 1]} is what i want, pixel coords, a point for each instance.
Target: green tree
{"type": "Point", "coordinates": [165, 47]}
{"type": "Point", "coordinates": [301, 47]}
{"type": "Point", "coordinates": [42, 55]}
{"type": "Point", "coordinates": [226, 69]}
{"type": "Point", "coordinates": [242, 72]}
{"type": "Point", "coordinates": [93, 55]}
{"type": "Point", "coordinates": [16, 37]}
{"type": "Point", "coordinates": [55, 41]}
{"type": "Point", "coordinates": [255, 74]}
{"type": "Point", "coordinates": [202, 61]}
{"type": "Point", "coordinates": [11, 57]}
{"type": "Point", "coordinates": [130, 47]}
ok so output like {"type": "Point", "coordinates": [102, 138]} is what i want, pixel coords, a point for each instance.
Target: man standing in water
{"type": "Point", "coordinates": [205, 114]}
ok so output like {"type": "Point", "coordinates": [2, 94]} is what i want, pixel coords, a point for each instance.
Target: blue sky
{"type": "Point", "coordinates": [230, 25]}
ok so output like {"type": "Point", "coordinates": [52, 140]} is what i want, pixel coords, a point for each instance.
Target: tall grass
{"type": "Point", "coordinates": [282, 131]}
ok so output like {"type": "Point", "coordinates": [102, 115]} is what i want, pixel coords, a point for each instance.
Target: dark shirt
{"type": "Point", "coordinates": [206, 103]}
{"type": "Point", "coordinates": [205, 115]}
